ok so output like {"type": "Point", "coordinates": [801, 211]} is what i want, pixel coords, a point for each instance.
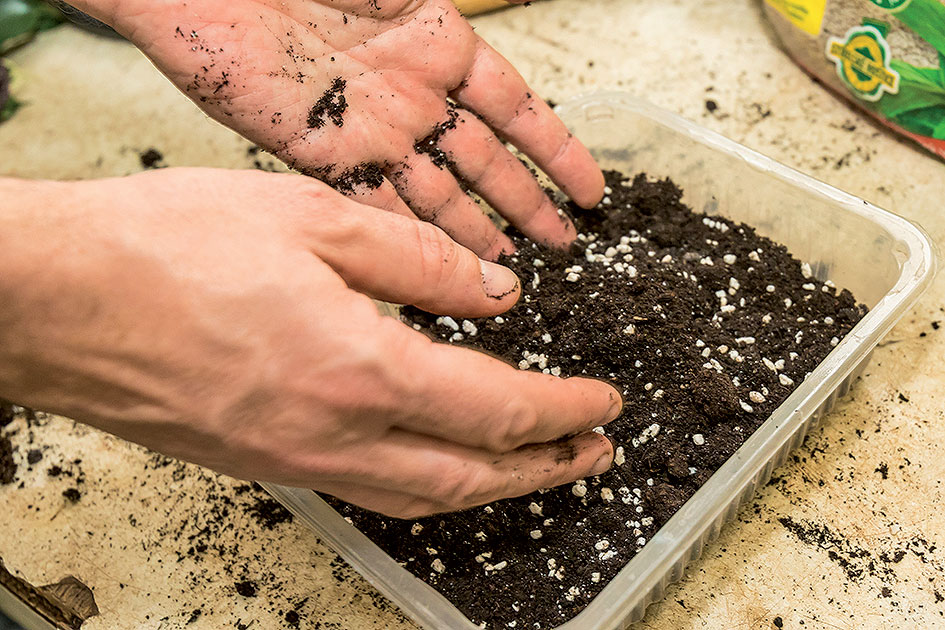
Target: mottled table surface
{"type": "Point", "coordinates": [849, 535]}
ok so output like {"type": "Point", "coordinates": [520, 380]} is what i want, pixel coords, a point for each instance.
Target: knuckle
{"type": "Point", "coordinates": [309, 204]}
{"type": "Point", "coordinates": [517, 111]}
{"type": "Point", "coordinates": [339, 232]}
{"type": "Point", "coordinates": [376, 365]}
{"type": "Point", "coordinates": [310, 188]}
{"type": "Point", "coordinates": [512, 427]}
{"type": "Point", "coordinates": [458, 487]}
{"type": "Point", "coordinates": [439, 255]}
{"type": "Point", "coordinates": [561, 151]}
{"type": "Point", "coordinates": [531, 212]}
{"type": "Point", "coordinates": [490, 156]}
{"type": "Point", "coordinates": [355, 389]}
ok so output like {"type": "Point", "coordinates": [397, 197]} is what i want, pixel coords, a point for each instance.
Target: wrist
{"type": "Point", "coordinates": [34, 218]}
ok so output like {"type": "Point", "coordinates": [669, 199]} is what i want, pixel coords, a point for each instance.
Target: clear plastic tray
{"type": "Point", "coordinates": [886, 261]}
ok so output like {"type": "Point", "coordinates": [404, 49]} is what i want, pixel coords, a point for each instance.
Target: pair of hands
{"type": "Point", "coordinates": [223, 317]}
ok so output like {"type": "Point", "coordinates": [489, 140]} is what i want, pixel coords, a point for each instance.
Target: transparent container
{"type": "Point", "coordinates": [886, 261]}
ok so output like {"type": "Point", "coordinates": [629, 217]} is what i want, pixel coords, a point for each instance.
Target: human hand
{"type": "Point", "coordinates": [217, 316]}
{"type": "Point", "coordinates": [355, 92]}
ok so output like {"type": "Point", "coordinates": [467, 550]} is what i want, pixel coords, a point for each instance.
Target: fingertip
{"type": "Point", "coordinates": [616, 405]}
{"type": "Point", "coordinates": [591, 190]}
{"type": "Point", "coordinates": [552, 226]}
{"type": "Point", "coordinates": [595, 453]}
{"type": "Point", "coordinates": [499, 283]}
{"type": "Point", "coordinates": [603, 463]}
{"type": "Point", "coordinates": [585, 180]}
{"type": "Point", "coordinates": [606, 399]}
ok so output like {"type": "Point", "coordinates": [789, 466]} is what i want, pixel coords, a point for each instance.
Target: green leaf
{"type": "Point", "coordinates": [9, 108]}
{"type": "Point", "coordinates": [927, 19]}
{"type": "Point", "coordinates": [21, 19]}
{"type": "Point", "coordinates": [919, 106]}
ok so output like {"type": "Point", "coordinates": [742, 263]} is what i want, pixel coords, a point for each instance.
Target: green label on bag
{"type": "Point", "coordinates": [863, 61]}
{"type": "Point", "coordinates": [891, 5]}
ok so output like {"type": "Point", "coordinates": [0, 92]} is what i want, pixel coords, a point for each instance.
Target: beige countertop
{"type": "Point", "coordinates": [157, 541]}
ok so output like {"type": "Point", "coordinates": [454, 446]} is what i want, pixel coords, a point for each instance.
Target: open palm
{"type": "Point", "coordinates": [393, 101]}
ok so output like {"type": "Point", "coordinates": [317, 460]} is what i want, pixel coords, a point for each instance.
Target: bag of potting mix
{"type": "Point", "coordinates": [887, 56]}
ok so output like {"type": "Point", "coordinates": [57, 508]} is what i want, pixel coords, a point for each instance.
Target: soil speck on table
{"type": "Point", "coordinates": [152, 158]}
{"type": "Point", "coordinates": [269, 512]}
{"type": "Point", "coordinates": [7, 465]}
{"type": "Point", "coordinates": [72, 495]}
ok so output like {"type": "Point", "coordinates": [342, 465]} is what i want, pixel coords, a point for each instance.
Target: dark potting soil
{"type": "Point", "coordinates": [705, 327]}
{"type": "Point", "coordinates": [7, 465]}
{"type": "Point", "coordinates": [330, 106]}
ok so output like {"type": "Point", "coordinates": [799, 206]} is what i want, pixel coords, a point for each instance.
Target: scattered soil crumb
{"type": "Point", "coordinates": [72, 495]}
{"type": "Point", "coordinates": [7, 413]}
{"type": "Point", "coordinates": [269, 512]}
{"type": "Point", "coordinates": [7, 465]}
{"type": "Point", "coordinates": [330, 106]}
{"type": "Point", "coordinates": [883, 470]}
{"type": "Point", "coordinates": [367, 175]}
{"type": "Point", "coordinates": [246, 588]}
{"type": "Point", "coordinates": [152, 158]}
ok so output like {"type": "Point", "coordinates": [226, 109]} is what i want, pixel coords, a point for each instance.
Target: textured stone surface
{"type": "Point", "coordinates": [847, 536]}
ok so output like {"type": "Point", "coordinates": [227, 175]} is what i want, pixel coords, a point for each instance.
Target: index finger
{"type": "Point", "coordinates": [471, 398]}
{"type": "Point", "coordinates": [497, 92]}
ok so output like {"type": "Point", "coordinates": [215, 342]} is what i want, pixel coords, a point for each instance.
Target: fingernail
{"type": "Point", "coordinates": [616, 406]}
{"type": "Point", "coordinates": [497, 281]}
{"type": "Point", "coordinates": [602, 464]}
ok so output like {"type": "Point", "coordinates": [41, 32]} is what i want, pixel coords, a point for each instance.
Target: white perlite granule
{"type": "Point", "coordinates": [449, 322]}
{"type": "Point", "coordinates": [619, 457]}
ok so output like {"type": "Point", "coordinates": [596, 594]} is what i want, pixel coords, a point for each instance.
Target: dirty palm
{"type": "Point", "coordinates": [349, 90]}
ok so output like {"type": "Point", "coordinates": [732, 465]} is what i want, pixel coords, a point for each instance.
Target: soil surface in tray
{"type": "Point", "coordinates": [704, 326]}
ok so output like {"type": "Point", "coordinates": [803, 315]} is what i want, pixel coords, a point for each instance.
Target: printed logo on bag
{"type": "Point", "coordinates": [862, 58]}
{"type": "Point", "coordinates": [891, 5]}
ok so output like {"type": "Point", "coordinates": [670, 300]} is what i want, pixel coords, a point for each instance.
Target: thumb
{"type": "Point", "coordinates": [398, 259]}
